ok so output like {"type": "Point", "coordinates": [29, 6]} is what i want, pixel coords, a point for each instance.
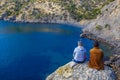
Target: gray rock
{"type": "Point", "coordinates": [82, 72]}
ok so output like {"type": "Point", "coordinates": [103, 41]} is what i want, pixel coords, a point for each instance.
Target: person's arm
{"type": "Point", "coordinates": [74, 52]}
{"type": "Point", "coordinates": [90, 56]}
{"type": "Point", "coordinates": [85, 54]}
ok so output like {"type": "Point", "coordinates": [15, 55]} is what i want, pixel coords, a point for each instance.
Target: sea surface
{"type": "Point", "coordinates": [30, 51]}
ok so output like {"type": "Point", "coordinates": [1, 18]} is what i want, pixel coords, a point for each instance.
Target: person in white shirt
{"type": "Point", "coordinates": [79, 54]}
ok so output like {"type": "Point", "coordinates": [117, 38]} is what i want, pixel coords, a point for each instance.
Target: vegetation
{"type": "Point", "coordinates": [87, 10]}
{"type": "Point", "coordinates": [107, 26]}
{"type": "Point", "coordinates": [81, 12]}
{"type": "Point", "coordinates": [8, 12]}
{"type": "Point", "coordinates": [99, 27]}
{"type": "Point", "coordinates": [82, 9]}
{"type": "Point", "coordinates": [106, 9]}
{"type": "Point", "coordinates": [111, 0]}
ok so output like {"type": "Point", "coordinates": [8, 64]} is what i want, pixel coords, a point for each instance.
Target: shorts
{"type": "Point", "coordinates": [78, 61]}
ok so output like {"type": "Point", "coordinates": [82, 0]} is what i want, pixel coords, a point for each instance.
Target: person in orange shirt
{"type": "Point", "coordinates": [96, 57]}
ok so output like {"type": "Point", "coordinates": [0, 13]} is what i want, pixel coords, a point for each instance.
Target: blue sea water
{"type": "Point", "coordinates": [33, 51]}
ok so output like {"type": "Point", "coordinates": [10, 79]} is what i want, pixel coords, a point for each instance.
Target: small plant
{"type": "Point", "coordinates": [8, 12]}
{"type": "Point", "coordinates": [99, 27]}
{"type": "Point", "coordinates": [106, 9]}
{"type": "Point", "coordinates": [92, 14]}
{"type": "Point", "coordinates": [111, 0]}
{"type": "Point", "coordinates": [107, 26]}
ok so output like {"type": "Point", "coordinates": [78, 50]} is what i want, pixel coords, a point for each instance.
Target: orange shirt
{"type": "Point", "coordinates": [96, 59]}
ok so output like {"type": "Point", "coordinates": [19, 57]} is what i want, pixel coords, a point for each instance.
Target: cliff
{"type": "Point", "coordinates": [49, 11]}
{"type": "Point", "coordinates": [81, 72]}
{"type": "Point", "coordinates": [106, 28]}
{"type": "Point", "coordinates": [107, 25]}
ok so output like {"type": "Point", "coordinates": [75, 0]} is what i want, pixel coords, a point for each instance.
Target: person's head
{"type": "Point", "coordinates": [80, 43]}
{"type": "Point", "coordinates": [96, 44]}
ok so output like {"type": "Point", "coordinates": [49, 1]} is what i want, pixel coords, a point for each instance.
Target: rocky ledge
{"type": "Point", "coordinates": [106, 29]}
{"type": "Point", "coordinates": [81, 72]}
{"type": "Point", "coordinates": [114, 60]}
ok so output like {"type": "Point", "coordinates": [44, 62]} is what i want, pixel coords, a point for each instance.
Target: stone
{"type": "Point", "coordinates": [81, 72]}
{"type": "Point", "coordinates": [65, 71]}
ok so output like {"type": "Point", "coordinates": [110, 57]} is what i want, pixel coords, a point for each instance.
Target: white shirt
{"type": "Point", "coordinates": [79, 53]}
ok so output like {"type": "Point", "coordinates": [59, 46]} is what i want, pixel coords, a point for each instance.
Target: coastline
{"type": "Point", "coordinates": [113, 59]}
{"type": "Point", "coordinates": [91, 36]}
{"type": "Point", "coordinates": [66, 22]}
{"type": "Point", "coordinates": [107, 20]}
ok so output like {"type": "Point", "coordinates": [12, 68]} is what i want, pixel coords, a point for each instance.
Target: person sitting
{"type": "Point", "coordinates": [96, 57]}
{"type": "Point", "coordinates": [79, 54]}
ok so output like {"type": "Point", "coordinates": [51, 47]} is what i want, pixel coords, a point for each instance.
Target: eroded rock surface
{"type": "Point", "coordinates": [81, 72]}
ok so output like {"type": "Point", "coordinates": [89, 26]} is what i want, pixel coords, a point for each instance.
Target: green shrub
{"type": "Point", "coordinates": [85, 11]}
{"type": "Point", "coordinates": [8, 12]}
{"type": "Point", "coordinates": [111, 0]}
{"type": "Point", "coordinates": [106, 9]}
{"type": "Point", "coordinates": [91, 14]}
{"type": "Point", "coordinates": [107, 26]}
{"type": "Point", "coordinates": [99, 27]}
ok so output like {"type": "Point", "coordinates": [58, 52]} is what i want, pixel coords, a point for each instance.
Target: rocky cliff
{"type": "Point", "coordinates": [81, 72]}
{"type": "Point", "coordinates": [50, 10]}
{"type": "Point", "coordinates": [106, 28]}
{"type": "Point", "coordinates": [107, 25]}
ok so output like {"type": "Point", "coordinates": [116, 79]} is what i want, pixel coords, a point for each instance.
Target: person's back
{"type": "Point", "coordinates": [79, 53]}
{"type": "Point", "coordinates": [96, 58]}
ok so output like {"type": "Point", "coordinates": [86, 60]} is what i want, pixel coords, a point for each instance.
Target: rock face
{"type": "Point", "coordinates": [81, 72]}
{"type": "Point", "coordinates": [107, 25]}
{"type": "Point", "coordinates": [114, 62]}
{"type": "Point", "coordinates": [50, 11]}
{"type": "Point", "coordinates": [106, 28]}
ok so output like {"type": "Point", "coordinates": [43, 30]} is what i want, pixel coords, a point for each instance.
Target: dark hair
{"type": "Point", "coordinates": [96, 44]}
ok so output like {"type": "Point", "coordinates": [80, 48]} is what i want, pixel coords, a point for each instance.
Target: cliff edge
{"type": "Point", "coordinates": [106, 28]}
{"type": "Point", "coordinates": [107, 25]}
{"type": "Point", "coordinates": [81, 72]}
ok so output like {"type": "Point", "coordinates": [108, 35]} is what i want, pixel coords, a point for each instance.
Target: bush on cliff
{"type": "Point", "coordinates": [107, 26]}
{"type": "Point", "coordinates": [98, 27]}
